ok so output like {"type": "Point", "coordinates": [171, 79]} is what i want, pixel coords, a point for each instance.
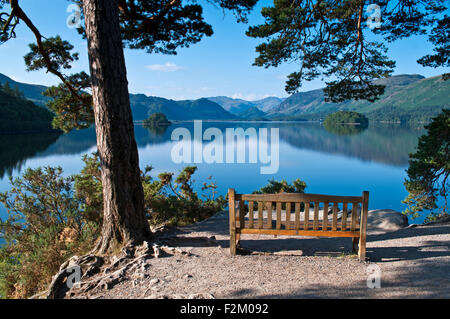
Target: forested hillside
{"type": "Point", "coordinates": [406, 98]}
{"type": "Point", "coordinates": [17, 114]}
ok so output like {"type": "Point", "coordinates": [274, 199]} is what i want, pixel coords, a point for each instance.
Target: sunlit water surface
{"type": "Point", "coordinates": [340, 162]}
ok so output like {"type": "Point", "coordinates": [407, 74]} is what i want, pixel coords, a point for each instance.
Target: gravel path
{"type": "Point", "coordinates": [414, 263]}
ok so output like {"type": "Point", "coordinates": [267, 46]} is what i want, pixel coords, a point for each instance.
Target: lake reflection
{"type": "Point", "coordinates": [330, 162]}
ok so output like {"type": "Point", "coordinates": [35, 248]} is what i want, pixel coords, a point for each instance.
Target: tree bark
{"type": "Point", "coordinates": [124, 220]}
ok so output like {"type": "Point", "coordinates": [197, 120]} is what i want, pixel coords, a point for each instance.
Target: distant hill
{"type": "Point", "coordinates": [17, 114]}
{"type": "Point", "coordinates": [234, 106]}
{"type": "Point", "coordinates": [142, 106]}
{"type": "Point", "coordinates": [202, 109]}
{"type": "Point", "coordinates": [268, 103]}
{"type": "Point", "coordinates": [406, 98]}
{"type": "Point", "coordinates": [239, 106]}
{"type": "Point", "coordinates": [252, 113]}
{"type": "Point", "coordinates": [32, 92]}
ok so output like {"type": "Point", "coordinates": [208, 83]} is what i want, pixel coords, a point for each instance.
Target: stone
{"type": "Point", "coordinates": [154, 281]}
{"type": "Point", "coordinates": [386, 220]}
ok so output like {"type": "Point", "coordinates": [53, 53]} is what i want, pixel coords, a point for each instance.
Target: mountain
{"type": "Point", "coordinates": [268, 103]}
{"type": "Point", "coordinates": [406, 97]}
{"type": "Point", "coordinates": [17, 114]}
{"type": "Point", "coordinates": [32, 92]}
{"type": "Point", "coordinates": [234, 106]}
{"type": "Point", "coordinates": [143, 106]}
{"type": "Point", "coordinates": [239, 106]}
{"type": "Point", "coordinates": [252, 113]}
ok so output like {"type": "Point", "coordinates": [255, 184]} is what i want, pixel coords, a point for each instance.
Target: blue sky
{"type": "Point", "coordinates": [218, 65]}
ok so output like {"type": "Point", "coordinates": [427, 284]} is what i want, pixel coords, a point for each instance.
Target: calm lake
{"type": "Point", "coordinates": [340, 162]}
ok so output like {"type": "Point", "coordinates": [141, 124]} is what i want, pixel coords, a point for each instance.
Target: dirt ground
{"type": "Point", "coordinates": [413, 263]}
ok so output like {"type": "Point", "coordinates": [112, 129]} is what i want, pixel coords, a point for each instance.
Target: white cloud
{"type": "Point", "coordinates": [167, 67]}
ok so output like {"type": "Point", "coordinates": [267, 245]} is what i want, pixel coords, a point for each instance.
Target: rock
{"type": "Point", "coordinates": [288, 253]}
{"type": "Point", "coordinates": [153, 282]}
{"type": "Point", "coordinates": [386, 220]}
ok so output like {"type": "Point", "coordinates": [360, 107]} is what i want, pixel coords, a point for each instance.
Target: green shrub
{"type": "Point", "coordinates": [168, 200]}
{"type": "Point", "coordinates": [275, 187]}
{"type": "Point", "coordinates": [46, 224]}
{"type": "Point", "coordinates": [52, 217]}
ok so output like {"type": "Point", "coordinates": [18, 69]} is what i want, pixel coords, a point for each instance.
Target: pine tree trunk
{"type": "Point", "coordinates": [124, 219]}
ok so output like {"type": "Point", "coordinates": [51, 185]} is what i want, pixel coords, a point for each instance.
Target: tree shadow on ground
{"type": "Point", "coordinates": [314, 246]}
{"type": "Point", "coordinates": [424, 280]}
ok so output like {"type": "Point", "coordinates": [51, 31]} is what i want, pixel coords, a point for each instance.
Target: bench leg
{"type": "Point", "coordinates": [233, 243]}
{"type": "Point", "coordinates": [363, 227]}
{"type": "Point", "coordinates": [362, 248]}
{"type": "Point", "coordinates": [355, 244]}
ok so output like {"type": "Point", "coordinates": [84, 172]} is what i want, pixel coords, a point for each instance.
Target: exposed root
{"type": "Point", "coordinates": [90, 274]}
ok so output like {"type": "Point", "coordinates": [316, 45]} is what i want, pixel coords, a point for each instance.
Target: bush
{"type": "Point", "coordinates": [52, 217]}
{"type": "Point", "coordinates": [46, 224]}
{"type": "Point", "coordinates": [168, 201]}
{"type": "Point", "coordinates": [276, 187]}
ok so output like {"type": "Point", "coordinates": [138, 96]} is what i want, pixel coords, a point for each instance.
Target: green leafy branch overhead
{"type": "Point", "coordinates": [332, 39]}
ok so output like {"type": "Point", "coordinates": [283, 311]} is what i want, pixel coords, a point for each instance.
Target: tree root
{"type": "Point", "coordinates": [96, 273]}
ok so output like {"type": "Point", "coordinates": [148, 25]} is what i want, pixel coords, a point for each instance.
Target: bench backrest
{"type": "Point", "coordinates": [348, 213]}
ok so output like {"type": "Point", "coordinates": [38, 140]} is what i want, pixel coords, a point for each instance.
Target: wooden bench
{"type": "Point", "coordinates": [301, 216]}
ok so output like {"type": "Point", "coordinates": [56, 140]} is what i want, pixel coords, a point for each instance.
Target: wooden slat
{"type": "Point", "coordinates": [335, 211]}
{"type": "Point", "coordinates": [269, 215]}
{"type": "Point", "coordinates": [325, 217]}
{"type": "Point", "coordinates": [250, 214]}
{"type": "Point", "coordinates": [278, 215]}
{"type": "Point", "coordinates": [354, 216]}
{"type": "Point", "coordinates": [297, 216]}
{"type": "Point", "coordinates": [293, 232]}
{"type": "Point", "coordinates": [288, 215]}
{"type": "Point", "coordinates": [298, 197]}
{"type": "Point", "coordinates": [241, 214]}
{"type": "Point", "coordinates": [301, 225]}
{"type": "Point", "coordinates": [344, 217]}
{"type": "Point", "coordinates": [306, 221]}
{"type": "Point", "coordinates": [316, 216]}
{"type": "Point", "coordinates": [260, 215]}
